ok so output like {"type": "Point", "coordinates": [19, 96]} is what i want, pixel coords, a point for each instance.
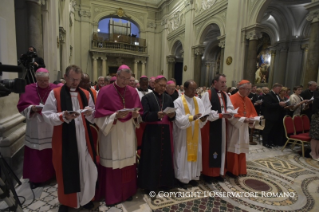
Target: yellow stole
{"type": "Point", "coordinates": [192, 139]}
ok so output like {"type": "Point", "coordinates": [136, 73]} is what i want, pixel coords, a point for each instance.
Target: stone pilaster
{"type": "Point", "coordinates": [198, 52]}
{"type": "Point", "coordinates": [171, 66]}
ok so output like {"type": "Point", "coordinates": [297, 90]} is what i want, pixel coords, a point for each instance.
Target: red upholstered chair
{"type": "Point", "coordinates": [299, 139]}
{"type": "Point", "coordinates": [298, 124]}
{"type": "Point", "coordinates": [95, 135]}
{"type": "Point", "coordinates": [305, 123]}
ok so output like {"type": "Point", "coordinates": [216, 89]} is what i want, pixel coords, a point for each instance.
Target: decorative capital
{"type": "Point", "coordinates": [151, 24]}
{"type": "Point", "coordinates": [62, 33]}
{"type": "Point", "coordinates": [171, 59]}
{"type": "Point", "coordinates": [136, 60]}
{"type": "Point", "coordinates": [199, 50]}
{"type": "Point", "coordinates": [103, 58]}
{"type": "Point", "coordinates": [253, 32]}
{"type": "Point", "coordinates": [313, 9]}
{"type": "Point", "coordinates": [94, 57]}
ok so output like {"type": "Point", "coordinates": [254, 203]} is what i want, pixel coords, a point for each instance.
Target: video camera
{"type": "Point", "coordinates": [16, 85]}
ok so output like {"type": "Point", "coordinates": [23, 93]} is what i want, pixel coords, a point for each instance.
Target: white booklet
{"type": "Point", "coordinates": [129, 109]}
{"type": "Point", "coordinates": [256, 118]}
{"type": "Point", "coordinates": [205, 114]}
{"type": "Point", "coordinates": [259, 101]}
{"type": "Point", "coordinates": [40, 106]}
{"type": "Point", "coordinates": [73, 112]}
{"type": "Point", "coordinates": [231, 112]}
{"type": "Point", "coordinates": [169, 110]}
{"type": "Point", "coordinates": [310, 99]}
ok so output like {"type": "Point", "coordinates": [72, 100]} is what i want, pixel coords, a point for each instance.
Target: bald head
{"type": "Point", "coordinates": [170, 88]}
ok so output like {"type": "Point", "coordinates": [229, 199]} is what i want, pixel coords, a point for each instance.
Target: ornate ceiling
{"type": "Point", "coordinates": [146, 2]}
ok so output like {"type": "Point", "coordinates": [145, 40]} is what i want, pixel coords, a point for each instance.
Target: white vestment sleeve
{"type": "Point", "coordinates": [213, 115]}
{"type": "Point", "coordinates": [105, 124]}
{"type": "Point", "coordinates": [27, 112]}
{"type": "Point", "coordinates": [49, 111]}
{"type": "Point", "coordinates": [202, 110]}
{"type": "Point", "coordinates": [90, 118]}
{"type": "Point", "coordinates": [181, 120]}
{"type": "Point", "coordinates": [229, 105]}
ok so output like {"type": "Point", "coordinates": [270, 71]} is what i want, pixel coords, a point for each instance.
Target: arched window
{"type": "Point", "coordinates": [118, 26]}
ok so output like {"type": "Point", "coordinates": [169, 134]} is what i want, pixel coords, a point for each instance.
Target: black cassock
{"type": "Point", "coordinates": [155, 168]}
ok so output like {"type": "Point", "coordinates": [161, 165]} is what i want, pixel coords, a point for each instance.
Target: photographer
{"type": "Point", "coordinates": [32, 62]}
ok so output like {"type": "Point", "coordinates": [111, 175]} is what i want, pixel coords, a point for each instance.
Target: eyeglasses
{"type": "Point", "coordinates": [123, 78]}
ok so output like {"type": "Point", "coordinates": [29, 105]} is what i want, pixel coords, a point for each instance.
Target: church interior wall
{"type": "Point", "coordinates": [12, 127]}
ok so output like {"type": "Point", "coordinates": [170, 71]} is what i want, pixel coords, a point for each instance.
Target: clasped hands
{"type": "Point", "coordinates": [69, 116]}
{"type": "Point", "coordinates": [247, 120]}
{"type": "Point", "coordinates": [161, 114]}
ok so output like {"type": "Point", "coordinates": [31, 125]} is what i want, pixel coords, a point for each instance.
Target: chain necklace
{"type": "Point", "coordinates": [160, 107]}
{"type": "Point", "coordinates": [39, 93]}
{"type": "Point", "coordinates": [123, 98]}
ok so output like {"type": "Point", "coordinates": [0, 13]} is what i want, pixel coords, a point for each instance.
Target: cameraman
{"type": "Point", "coordinates": [37, 62]}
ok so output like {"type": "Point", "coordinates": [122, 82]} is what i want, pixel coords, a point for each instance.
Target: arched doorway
{"type": "Point", "coordinates": [178, 52]}
{"type": "Point", "coordinates": [212, 57]}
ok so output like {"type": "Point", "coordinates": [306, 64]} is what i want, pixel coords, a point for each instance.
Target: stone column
{"type": "Point", "coordinates": [282, 65]}
{"type": "Point", "coordinates": [104, 66]}
{"type": "Point", "coordinates": [304, 62]}
{"type": "Point", "coordinates": [143, 67]}
{"type": "Point", "coordinates": [35, 25]}
{"type": "Point", "coordinates": [207, 74]}
{"type": "Point", "coordinates": [94, 74]}
{"type": "Point", "coordinates": [171, 66]}
{"type": "Point", "coordinates": [311, 72]}
{"type": "Point", "coordinates": [222, 46]}
{"type": "Point", "coordinates": [198, 51]}
{"type": "Point", "coordinates": [251, 60]}
{"type": "Point", "coordinates": [135, 67]}
{"type": "Point", "coordinates": [272, 66]}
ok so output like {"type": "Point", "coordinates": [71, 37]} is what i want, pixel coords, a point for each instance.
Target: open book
{"type": "Point", "coordinates": [169, 110]}
{"type": "Point", "coordinates": [310, 99]}
{"type": "Point", "coordinates": [256, 118]}
{"type": "Point", "coordinates": [231, 112]}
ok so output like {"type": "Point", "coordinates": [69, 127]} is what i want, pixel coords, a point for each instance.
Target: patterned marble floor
{"type": "Point", "coordinates": [269, 170]}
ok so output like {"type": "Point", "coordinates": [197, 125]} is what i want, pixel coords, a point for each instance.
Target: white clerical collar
{"type": "Point", "coordinates": [72, 89]}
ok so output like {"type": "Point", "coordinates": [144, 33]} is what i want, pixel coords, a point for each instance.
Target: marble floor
{"type": "Point", "coordinates": [269, 170]}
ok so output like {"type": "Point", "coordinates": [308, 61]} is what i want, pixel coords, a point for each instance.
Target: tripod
{"type": "Point", "coordinates": [7, 187]}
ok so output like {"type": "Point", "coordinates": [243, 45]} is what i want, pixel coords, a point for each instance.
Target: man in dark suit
{"type": "Point", "coordinates": [261, 97]}
{"type": "Point", "coordinates": [273, 108]}
{"type": "Point", "coordinates": [308, 94]}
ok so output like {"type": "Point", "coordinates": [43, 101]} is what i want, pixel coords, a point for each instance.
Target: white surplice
{"type": "Point", "coordinates": [38, 133]}
{"type": "Point", "coordinates": [186, 171]}
{"type": "Point", "coordinates": [214, 116]}
{"type": "Point", "coordinates": [117, 142]}
{"type": "Point", "coordinates": [143, 93]}
{"type": "Point", "coordinates": [238, 136]}
{"type": "Point", "coordinates": [88, 170]}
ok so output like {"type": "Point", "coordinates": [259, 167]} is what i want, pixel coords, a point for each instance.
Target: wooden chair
{"type": "Point", "coordinates": [305, 123]}
{"type": "Point", "coordinates": [292, 137]}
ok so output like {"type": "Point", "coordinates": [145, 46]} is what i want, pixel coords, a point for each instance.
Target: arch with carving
{"type": "Point", "coordinates": [110, 13]}
{"type": "Point", "coordinates": [173, 44]}
{"type": "Point", "coordinates": [216, 21]}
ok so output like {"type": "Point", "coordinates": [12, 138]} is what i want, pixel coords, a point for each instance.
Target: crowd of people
{"type": "Point", "coordinates": [180, 132]}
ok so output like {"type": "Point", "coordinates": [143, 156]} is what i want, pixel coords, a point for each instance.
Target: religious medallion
{"type": "Point", "coordinates": [229, 60]}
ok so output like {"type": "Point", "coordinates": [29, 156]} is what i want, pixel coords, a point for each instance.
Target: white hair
{"type": "Point", "coordinates": [136, 81]}
{"type": "Point", "coordinates": [100, 77]}
{"type": "Point", "coordinates": [41, 74]}
{"type": "Point", "coordinates": [311, 83]}
{"type": "Point", "coordinates": [243, 85]}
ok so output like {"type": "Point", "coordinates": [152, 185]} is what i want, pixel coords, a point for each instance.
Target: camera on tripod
{"type": "Point", "coordinates": [27, 59]}
{"type": "Point", "coordinates": [16, 85]}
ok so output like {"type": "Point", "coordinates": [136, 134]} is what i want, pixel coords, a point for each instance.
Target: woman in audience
{"type": "Point", "coordinates": [297, 102]}
{"type": "Point", "coordinates": [314, 130]}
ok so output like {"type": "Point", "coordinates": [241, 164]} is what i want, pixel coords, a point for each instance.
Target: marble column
{"type": "Point", "coordinates": [198, 51]}
{"type": "Point", "coordinates": [272, 66]}
{"type": "Point", "coordinates": [104, 66]}
{"type": "Point", "coordinates": [94, 74]}
{"type": "Point", "coordinates": [143, 68]}
{"type": "Point", "coordinates": [304, 62]}
{"type": "Point", "coordinates": [171, 66]}
{"type": "Point", "coordinates": [251, 61]}
{"type": "Point", "coordinates": [135, 67]}
{"type": "Point", "coordinates": [311, 72]}
{"type": "Point", "coordinates": [282, 65]}
{"type": "Point", "coordinates": [207, 74]}
{"type": "Point", "coordinates": [35, 25]}
{"type": "Point", "coordinates": [222, 46]}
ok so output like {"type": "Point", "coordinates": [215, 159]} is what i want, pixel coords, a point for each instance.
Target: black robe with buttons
{"type": "Point", "coordinates": [155, 170]}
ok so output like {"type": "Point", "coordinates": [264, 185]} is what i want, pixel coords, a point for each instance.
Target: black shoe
{"type": "Point", "coordinates": [231, 175]}
{"type": "Point", "coordinates": [89, 206]}
{"type": "Point", "coordinates": [267, 146]}
{"type": "Point", "coordinates": [182, 185]}
{"type": "Point", "coordinates": [63, 208]}
{"type": "Point", "coordinates": [220, 179]}
{"type": "Point", "coordinates": [129, 199]}
{"type": "Point", "coordinates": [208, 180]}
{"type": "Point", "coordinates": [193, 183]}
{"type": "Point", "coordinates": [34, 185]}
